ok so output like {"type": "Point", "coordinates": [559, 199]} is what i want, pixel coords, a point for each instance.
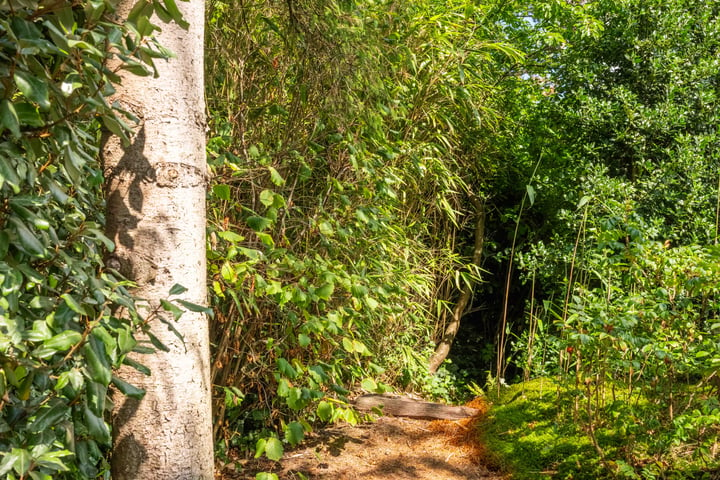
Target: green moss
{"type": "Point", "coordinates": [529, 435]}
{"type": "Point", "coordinates": [532, 432]}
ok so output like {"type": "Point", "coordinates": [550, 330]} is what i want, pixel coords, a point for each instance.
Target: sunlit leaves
{"type": "Point", "coordinates": [59, 338]}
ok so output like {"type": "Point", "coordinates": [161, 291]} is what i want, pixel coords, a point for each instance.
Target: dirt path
{"type": "Point", "coordinates": [391, 448]}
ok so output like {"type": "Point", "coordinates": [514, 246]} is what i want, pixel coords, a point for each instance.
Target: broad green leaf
{"type": "Point", "coordinates": [9, 175]}
{"type": "Point", "coordinates": [275, 177]}
{"type": "Point", "coordinates": [96, 426]}
{"type": "Point", "coordinates": [274, 449]}
{"type": "Point", "coordinates": [35, 89]}
{"type": "Point", "coordinates": [266, 476]}
{"type": "Point", "coordinates": [71, 302]}
{"type": "Point", "coordinates": [326, 229]}
{"type": "Point", "coordinates": [115, 126]}
{"type": "Point", "coordinates": [177, 289]}
{"type": "Point", "coordinates": [29, 242]}
{"type": "Point", "coordinates": [194, 307]}
{"type": "Point", "coordinates": [267, 197]}
{"type": "Point", "coordinates": [325, 411]}
{"type": "Point", "coordinates": [230, 236]}
{"type": "Point", "coordinates": [63, 341]}
{"type": "Point", "coordinates": [266, 239]}
{"type": "Point", "coordinates": [286, 369]}
{"type": "Point", "coordinates": [9, 117]}
{"type": "Point", "coordinates": [95, 395]}
{"type": "Point", "coordinates": [294, 433]}
{"type": "Point", "coordinates": [175, 13]}
{"type": "Point", "coordinates": [258, 224]}
{"type": "Point", "coordinates": [369, 385]}
{"type": "Point", "coordinates": [98, 364]}
{"type": "Point", "coordinates": [174, 309]}
{"type": "Point", "coordinates": [125, 340]}
{"type": "Point", "coordinates": [531, 194]}
{"type": "Point", "coordinates": [28, 115]}
{"type": "Point", "coordinates": [4, 240]}
{"type": "Point", "coordinates": [325, 291]}
{"type": "Point", "coordinates": [358, 291]}
{"type": "Point", "coordinates": [221, 191]}
{"type": "Point", "coordinates": [49, 416]}
{"type": "Point", "coordinates": [128, 389]}
{"type": "Point", "coordinates": [260, 447]}
{"type": "Point", "coordinates": [52, 460]}
{"type": "Point", "coordinates": [303, 340]}
{"type": "Point", "coordinates": [17, 459]}
{"type": "Point", "coordinates": [297, 398]}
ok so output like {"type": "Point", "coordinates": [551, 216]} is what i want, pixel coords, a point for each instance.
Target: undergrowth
{"type": "Point", "coordinates": [532, 432]}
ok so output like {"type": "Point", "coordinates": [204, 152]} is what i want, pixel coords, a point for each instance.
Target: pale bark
{"type": "Point", "coordinates": [451, 329]}
{"type": "Point", "coordinates": [156, 217]}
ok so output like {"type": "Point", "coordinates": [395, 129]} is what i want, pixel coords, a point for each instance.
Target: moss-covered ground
{"type": "Point", "coordinates": [532, 433]}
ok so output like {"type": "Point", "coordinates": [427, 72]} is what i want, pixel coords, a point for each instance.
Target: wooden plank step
{"type": "Point", "coordinates": [408, 407]}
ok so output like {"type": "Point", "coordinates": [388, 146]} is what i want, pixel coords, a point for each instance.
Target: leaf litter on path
{"type": "Point", "coordinates": [390, 448]}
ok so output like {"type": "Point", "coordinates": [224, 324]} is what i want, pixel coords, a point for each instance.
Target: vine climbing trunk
{"type": "Point", "coordinates": [155, 189]}
{"type": "Point", "coordinates": [451, 329]}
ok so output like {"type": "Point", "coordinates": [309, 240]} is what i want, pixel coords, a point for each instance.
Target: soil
{"type": "Point", "coordinates": [389, 448]}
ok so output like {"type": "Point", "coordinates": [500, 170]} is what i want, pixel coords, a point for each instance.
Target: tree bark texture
{"type": "Point", "coordinates": [156, 216]}
{"type": "Point", "coordinates": [443, 347]}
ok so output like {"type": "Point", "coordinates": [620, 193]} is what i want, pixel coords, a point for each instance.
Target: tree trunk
{"type": "Point", "coordinates": [156, 216]}
{"type": "Point", "coordinates": [443, 347]}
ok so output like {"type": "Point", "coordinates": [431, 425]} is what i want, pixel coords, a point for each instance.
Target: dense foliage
{"type": "Point", "coordinates": [346, 143]}
{"type": "Point", "coordinates": [619, 256]}
{"type": "Point", "coordinates": [61, 329]}
{"type": "Point", "coordinates": [357, 150]}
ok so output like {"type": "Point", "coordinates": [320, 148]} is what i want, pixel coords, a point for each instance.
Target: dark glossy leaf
{"type": "Point", "coordinates": [63, 341]}
{"type": "Point", "coordinates": [175, 13]}
{"type": "Point", "coordinates": [28, 115]}
{"type": "Point", "coordinates": [98, 364]}
{"type": "Point", "coordinates": [97, 428]}
{"type": "Point", "coordinates": [177, 289]}
{"type": "Point", "coordinates": [9, 117]}
{"type": "Point", "coordinates": [194, 307]}
{"type": "Point", "coordinates": [35, 89]}
{"type": "Point", "coordinates": [128, 389]}
{"type": "Point", "coordinates": [28, 241]}
{"type": "Point", "coordinates": [49, 416]}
